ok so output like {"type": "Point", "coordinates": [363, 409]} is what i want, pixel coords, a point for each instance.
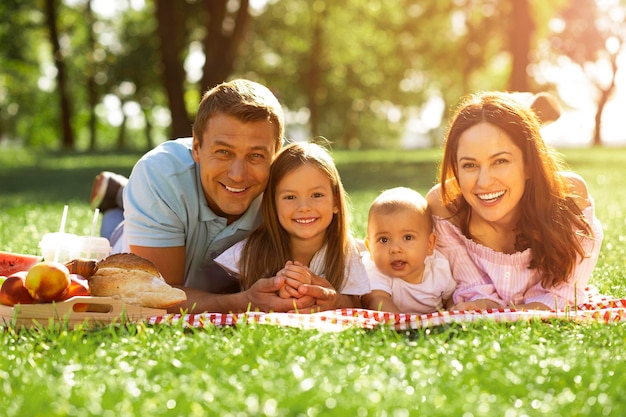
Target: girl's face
{"type": "Point", "coordinates": [305, 204]}
{"type": "Point", "coordinates": [491, 173]}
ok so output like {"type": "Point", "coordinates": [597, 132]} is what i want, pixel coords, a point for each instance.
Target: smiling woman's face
{"type": "Point", "coordinates": [491, 173]}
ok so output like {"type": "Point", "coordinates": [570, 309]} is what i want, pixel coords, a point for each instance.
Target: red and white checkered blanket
{"type": "Point", "coordinates": [598, 308]}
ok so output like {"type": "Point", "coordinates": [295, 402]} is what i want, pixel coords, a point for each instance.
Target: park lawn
{"type": "Point", "coordinates": [553, 368]}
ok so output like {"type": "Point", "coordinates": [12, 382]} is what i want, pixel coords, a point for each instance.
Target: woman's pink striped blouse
{"type": "Point", "coordinates": [482, 273]}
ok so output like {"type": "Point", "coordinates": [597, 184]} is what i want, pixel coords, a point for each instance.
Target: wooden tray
{"type": "Point", "coordinates": [72, 311]}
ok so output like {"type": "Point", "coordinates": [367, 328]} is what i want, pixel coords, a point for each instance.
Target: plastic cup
{"type": "Point", "coordinates": [58, 246]}
{"type": "Point", "coordinates": [92, 247]}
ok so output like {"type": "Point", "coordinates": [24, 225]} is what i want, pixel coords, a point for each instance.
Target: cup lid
{"type": "Point", "coordinates": [57, 237]}
{"type": "Point", "coordinates": [94, 242]}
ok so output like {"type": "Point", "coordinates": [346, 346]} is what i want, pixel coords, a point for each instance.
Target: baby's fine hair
{"type": "Point", "coordinates": [401, 198]}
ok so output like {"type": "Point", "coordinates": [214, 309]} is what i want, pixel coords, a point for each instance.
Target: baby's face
{"type": "Point", "coordinates": [399, 242]}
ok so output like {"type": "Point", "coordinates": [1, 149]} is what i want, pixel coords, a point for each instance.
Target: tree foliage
{"type": "Point", "coordinates": [591, 33]}
{"type": "Point", "coordinates": [356, 72]}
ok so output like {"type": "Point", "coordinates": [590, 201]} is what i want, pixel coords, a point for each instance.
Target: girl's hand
{"type": "Point", "coordinates": [325, 296]}
{"type": "Point", "coordinates": [295, 274]}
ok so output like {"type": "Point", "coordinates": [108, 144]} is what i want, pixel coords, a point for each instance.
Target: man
{"type": "Point", "coordinates": [188, 200]}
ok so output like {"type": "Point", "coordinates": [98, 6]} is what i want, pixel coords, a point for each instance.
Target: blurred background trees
{"type": "Point", "coordinates": [115, 74]}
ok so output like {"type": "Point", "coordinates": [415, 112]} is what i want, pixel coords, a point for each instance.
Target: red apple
{"type": "Point", "coordinates": [47, 281]}
{"type": "Point", "coordinates": [78, 286]}
{"type": "Point", "coordinates": [13, 290]}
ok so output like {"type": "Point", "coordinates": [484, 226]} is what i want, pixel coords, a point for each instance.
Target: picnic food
{"type": "Point", "coordinates": [14, 262]}
{"type": "Point", "coordinates": [47, 281]}
{"type": "Point", "coordinates": [133, 280]}
{"type": "Point", "coordinates": [13, 290]}
{"type": "Point", "coordinates": [82, 266]}
{"type": "Point", "coordinates": [78, 286]}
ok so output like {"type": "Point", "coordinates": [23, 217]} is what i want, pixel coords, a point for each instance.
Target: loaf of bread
{"type": "Point", "coordinates": [133, 280]}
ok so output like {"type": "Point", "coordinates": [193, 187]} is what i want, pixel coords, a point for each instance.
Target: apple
{"type": "Point", "coordinates": [47, 281]}
{"type": "Point", "coordinates": [79, 286]}
{"type": "Point", "coordinates": [13, 290]}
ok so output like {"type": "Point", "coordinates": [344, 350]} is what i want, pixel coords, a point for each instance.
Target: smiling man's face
{"type": "Point", "coordinates": [234, 160]}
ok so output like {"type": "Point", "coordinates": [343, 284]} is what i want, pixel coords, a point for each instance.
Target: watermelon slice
{"type": "Point", "coordinates": [15, 262]}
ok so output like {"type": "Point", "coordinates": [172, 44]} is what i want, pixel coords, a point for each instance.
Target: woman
{"type": "Point", "coordinates": [518, 232]}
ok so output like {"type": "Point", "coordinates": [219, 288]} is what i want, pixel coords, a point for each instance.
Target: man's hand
{"type": "Point", "coordinates": [263, 295]}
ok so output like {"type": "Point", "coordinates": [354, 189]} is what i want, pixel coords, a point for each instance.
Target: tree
{"type": "Point", "coordinates": [589, 36]}
{"type": "Point", "coordinates": [67, 138]}
{"type": "Point", "coordinates": [224, 36]}
{"type": "Point", "coordinates": [170, 16]}
{"type": "Point", "coordinates": [361, 70]}
{"type": "Point", "coordinates": [131, 70]}
{"type": "Point", "coordinates": [92, 86]}
{"type": "Point", "coordinates": [218, 27]}
{"type": "Point", "coordinates": [19, 70]}
{"type": "Point", "coordinates": [520, 36]}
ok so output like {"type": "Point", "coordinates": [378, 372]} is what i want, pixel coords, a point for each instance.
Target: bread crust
{"type": "Point", "coordinates": [133, 280]}
{"type": "Point", "coordinates": [129, 261]}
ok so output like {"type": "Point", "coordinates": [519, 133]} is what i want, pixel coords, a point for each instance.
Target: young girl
{"type": "Point", "coordinates": [304, 235]}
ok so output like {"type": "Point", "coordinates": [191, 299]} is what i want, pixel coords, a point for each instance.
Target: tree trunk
{"type": "Point", "coordinates": [170, 30]}
{"type": "Point", "coordinates": [605, 94]}
{"type": "Point", "coordinates": [92, 88]}
{"type": "Point", "coordinates": [522, 28]}
{"type": "Point", "coordinates": [314, 73]}
{"type": "Point", "coordinates": [67, 137]}
{"type": "Point", "coordinates": [147, 114]}
{"type": "Point", "coordinates": [121, 133]}
{"type": "Point", "coordinates": [220, 48]}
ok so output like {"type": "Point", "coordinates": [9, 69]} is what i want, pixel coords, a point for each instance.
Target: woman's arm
{"type": "Point", "coordinates": [433, 197]}
{"type": "Point", "coordinates": [578, 188]}
{"type": "Point", "coordinates": [572, 292]}
{"type": "Point", "coordinates": [480, 304]}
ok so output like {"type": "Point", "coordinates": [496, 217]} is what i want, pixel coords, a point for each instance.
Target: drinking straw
{"type": "Point", "coordinates": [63, 219]}
{"type": "Point", "coordinates": [94, 222]}
{"type": "Point", "coordinates": [61, 230]}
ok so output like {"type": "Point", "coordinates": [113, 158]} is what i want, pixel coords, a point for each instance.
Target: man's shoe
{"type": "Point", "coordinates": [105, 190]}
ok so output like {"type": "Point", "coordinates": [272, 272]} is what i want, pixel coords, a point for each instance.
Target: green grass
{"type": "Point", "coordinates": [476, 369]}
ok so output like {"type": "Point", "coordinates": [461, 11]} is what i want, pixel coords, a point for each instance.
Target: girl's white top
{"type": "Point", "coordinates": [355, 281]}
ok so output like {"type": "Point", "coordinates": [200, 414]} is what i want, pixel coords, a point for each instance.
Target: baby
{"type": "Point", "coordinates": [406, 274]}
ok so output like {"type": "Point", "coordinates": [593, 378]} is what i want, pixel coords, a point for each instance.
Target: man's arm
{"type": "Point", "coordinates": [169, 261]}
{"type": "Point", "coordinates": [261, 296]}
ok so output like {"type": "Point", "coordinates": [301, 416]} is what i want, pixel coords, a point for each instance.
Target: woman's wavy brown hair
{"type": "Point", "coordinates": [268, 247]}
{"type": "Point", "coordinates": [550, 219]}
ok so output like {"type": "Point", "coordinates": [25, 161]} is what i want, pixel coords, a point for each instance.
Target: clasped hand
{"type": "Point", "coordinates": [301, 282]}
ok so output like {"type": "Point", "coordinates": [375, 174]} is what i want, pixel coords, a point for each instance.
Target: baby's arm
{"type": "Point", "coordinates": [379, 300]}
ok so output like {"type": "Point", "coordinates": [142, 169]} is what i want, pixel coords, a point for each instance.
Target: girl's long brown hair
{"type": "Point", "coordinates": [550, 218]}
{"type": "Point", "coordinates": [268, 247]}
